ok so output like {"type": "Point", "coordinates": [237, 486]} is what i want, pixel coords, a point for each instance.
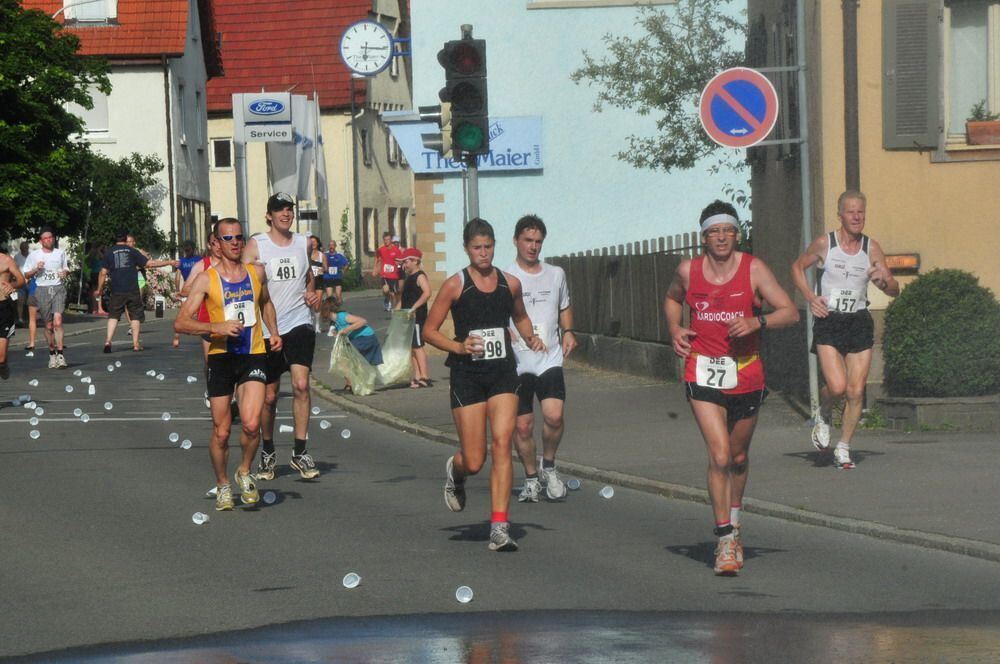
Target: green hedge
{"type": "Point", "coordinates": [942, 338]}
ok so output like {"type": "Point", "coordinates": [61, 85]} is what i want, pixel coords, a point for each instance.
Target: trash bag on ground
{"type": "Point", "coordinates": [348, 362]}
{"type": "Point", "coordinates": [396, 367]}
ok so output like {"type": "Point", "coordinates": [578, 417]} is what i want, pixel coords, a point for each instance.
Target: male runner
{"type": "Point", "coordinates": [386, 268]}
{"type": "Point", "coordinates": [188, 260]}
{"type": "Point", "coordinates": [285, 257]}
{"type": "Point", "coordinates": [336, 263]}
{"type": "Point", "coordinates": [11, 279]}
{"type": "Point", "coordinates": [49, 267]}
{"type": "Point", "coordinates": [237, 299]}
{"type": "Point", "coordinates": [23, 250]}
{"type": "Point", "coordinates": [843, 331]}
{"type": "Point", "coordinates": [546, 299]}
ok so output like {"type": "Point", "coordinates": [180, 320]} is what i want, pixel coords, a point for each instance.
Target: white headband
{"type": "Point", "coordinates": [719, 219]}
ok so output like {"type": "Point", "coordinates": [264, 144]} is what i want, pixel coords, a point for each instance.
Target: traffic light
{"type": "Point", "coordinates": [441, 115]}
{"type": "Point", "coordinates": [464, 62]}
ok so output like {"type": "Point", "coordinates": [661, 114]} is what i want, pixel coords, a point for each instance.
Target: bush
{"type": "Point", "coordinates": [942, 338]}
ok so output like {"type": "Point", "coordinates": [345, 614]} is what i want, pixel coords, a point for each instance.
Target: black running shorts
{"type": "Point", "coordinates": [119, 302]}
{"type": "Point", "coordinates": [848, 333]}
{"type": "Point", "coordinates": [738, 406]}
{"type": "Point", "coordinates": [227, 370]}
{"type": "Point", "coordinates": [298, 346]}
{"type": "Point", "coordinates": [472, 385]}
{"type": "Point", "coordinates": [550, 385]}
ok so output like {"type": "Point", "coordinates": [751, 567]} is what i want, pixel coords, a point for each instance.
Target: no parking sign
{"type": "Point", "coordinates": [738, 108]}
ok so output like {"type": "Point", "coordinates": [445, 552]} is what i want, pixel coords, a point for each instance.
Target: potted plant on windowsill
{"type": "Point", "coordinates": [982, 127]}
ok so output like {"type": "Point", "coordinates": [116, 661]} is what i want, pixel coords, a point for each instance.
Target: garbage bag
{"type": "Point", "coordinates": [347, 361]}
{"type": "Point", "coordinates": [396, 367]}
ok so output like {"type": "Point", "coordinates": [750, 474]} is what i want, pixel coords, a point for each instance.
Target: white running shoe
{"type": "Point", "coordinates": [454, 492]}
{"type": "Point", "coordinates": [53, 362]}
{"type": "Point", "coordinates": [821, 434]}
{"type": "Point", "coordinates": [500, 539]}
{"type": "Point", "coordinates": [529, 494]}
{"type": "Point", "coordinates": [842, 458]}
{"type": "Point", "coordinates": [555, 488]}
{"type": "Point", "coordinates": [60, 361]}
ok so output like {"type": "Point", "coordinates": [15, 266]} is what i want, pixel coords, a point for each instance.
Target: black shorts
{"type": "Point", "coordinates": [848, 333]}
{"type": "Point", "coordinates": [550, 385]}
{"type": "Point", "coordinates": [227, 370]}
{"type": "Point", "coordinates": [8, 319]}
{"type": "Point", "coordinates": [472, 386]}
{"type": "Point", "coordinates": [298, 346]}
{"type": "Point", "coordinates": [393, 284]}
{"type": "Point", "coordinates": [738, 406]}
{"type": "Point", "coordinates": [332, 283]}
{"type": "Point", "coordinates": [418, 336]}
{"type": "Point", "coordinates": [119, 302]}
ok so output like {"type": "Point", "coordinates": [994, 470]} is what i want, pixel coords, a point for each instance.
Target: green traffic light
{"type": "Point", "coordinates": [467, 137]}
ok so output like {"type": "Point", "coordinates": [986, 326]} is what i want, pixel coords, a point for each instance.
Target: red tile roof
{"type": "Point", "coordinates": [144, 28]}
{"type": "Point", "coordinates": [278, 44]}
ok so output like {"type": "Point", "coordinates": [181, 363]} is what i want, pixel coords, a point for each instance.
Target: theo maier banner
{"type": "Point", "coordinates": [515, 145]}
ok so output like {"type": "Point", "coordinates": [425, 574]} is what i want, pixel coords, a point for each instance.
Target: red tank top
{"type": "Point", "coordinates": [203, 312]}
{"type": "Point", "coordinates": [712, 307]}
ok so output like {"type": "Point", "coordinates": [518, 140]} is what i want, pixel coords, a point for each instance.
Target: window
{"type": "Point", "coordinates": [222, 153]}
{"type": "Point", "coordinates": [972, 51]}
{"type": "Point", "coordinates": [366, 155]}
{"type": "Point", "coordinates": [391, 149]}
{"type": "Point", "coordinates": [90, 11]}
{"type": "Point", "coordinates": [403, 224]}
{"type": "Point", "coordinates": [95, 120]}
{"type": "Point", "coordinates": [182, 114]}
{"type": "Point", "coordinates": [369, 217]}
{"type": "Point", "coordinates": [392, 224]}
{"type": "Point", "coordinates": [199, 138]}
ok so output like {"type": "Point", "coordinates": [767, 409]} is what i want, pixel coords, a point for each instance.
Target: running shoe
{"type": "Point", "coordinates": [223, 498]}
{"type": "Point", "coordinates": [268, 462]}
{"type": "Point", "coordinates": [107, 348]}
{"type": "Point", "coordinates": [53, 363]}
{"type": "Point", "coordinates": [305, 465]}
{"type": "Point", "coordinates": [454, 492]}
{"type": "Point", "coordinates": [555, 488]}
{"type": "Point", "coordinates": [4, 370]}
{"type": "Point", "coordinates": [248, 490]}
{"type": "Point", "coordinates": [60, 361]}
{"type": "Point", "coordinates": [529, 494]}
{"type": "Point", "coordinates": [842, 458]}
{"type": "Point", "coordinates": [29, 351]}
{"type": "Point", "coordinates": [500, 539]}
{"type": "Point", "coordinates": [821, 435]}
{"type": "Point", "coordinates": [738, 541]}
{"type": "Point", "coordinates": [725, 557]}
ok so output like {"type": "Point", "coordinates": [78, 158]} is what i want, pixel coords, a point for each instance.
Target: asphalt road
{"type": "Point", "coordinates": [99, 550]}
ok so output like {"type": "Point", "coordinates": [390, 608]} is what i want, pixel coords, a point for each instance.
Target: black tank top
{"type": "Point", "coordinates": [412, 293]}
{"type": "Point", "coordinates": [476, 310]}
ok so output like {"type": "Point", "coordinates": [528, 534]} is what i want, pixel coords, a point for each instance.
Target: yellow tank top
{"type": "Point", "coordinates": [235, 301]}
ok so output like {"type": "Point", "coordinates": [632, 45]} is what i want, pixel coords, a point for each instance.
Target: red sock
{"type": "Point", "coordinates": [498, 517]}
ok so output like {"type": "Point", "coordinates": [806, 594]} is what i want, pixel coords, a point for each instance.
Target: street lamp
{"type": "Point", "coordinates": [354, 167]}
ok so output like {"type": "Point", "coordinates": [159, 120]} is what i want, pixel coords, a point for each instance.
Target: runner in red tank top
{"type": "Point", "coordinates": [723, 374]}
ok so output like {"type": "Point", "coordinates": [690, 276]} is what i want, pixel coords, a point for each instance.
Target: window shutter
{"type": "Point", "coordinates": [911, 64]}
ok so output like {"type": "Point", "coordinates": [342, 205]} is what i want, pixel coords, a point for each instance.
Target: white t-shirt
{"type": "Point", "coordinates": [545, 295]}
{"type": "Point", "coordinates": [286, 269]}
{"type": "Point", "coordinates": [20, 259]}
{"type": "Point", "coordinates": [55, 262]}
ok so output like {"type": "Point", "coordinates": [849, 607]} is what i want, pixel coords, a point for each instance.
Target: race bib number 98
{"type": "Point", "coordinates": [494, 347]}
{"type": "Point", "coordinates": [282, 268]}
{"type": "Point", "coordinates": [718, 373]}
{"type": "Point", "coordinates": [844, 300]}
{"type": "Point", "coordinates": [243, 311]}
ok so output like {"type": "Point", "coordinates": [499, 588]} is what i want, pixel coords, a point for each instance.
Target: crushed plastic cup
{"type": "Point", "coordinates": [324, 424]}
{"type": "Point", "coordinates": [111, 368]}
{"type": "Point", "coordinates": [192, 379]}
{"type": "Point", "coordinates": [31, 405]}
{"type": "Point", "coordinates": [165, 417]}
{"type": "Point", "coordinates": [118, 363]}
{"type": "Point", "coordinates": [35, 433]}
{"type": "Point", "coordinates": [463, 594]}
{"type": "Point", "coordinates": [86, 380]}
{"type": "Point", "coordinates": [351, 580]}
{"type": "Point", "coordinates": [185, 444]}
{"type": "Point", "coordinates": [173, 437]}
{"type": "Point", "coordinates": [573, 484]}
{"type": "Point", "coordinates": [208, 404]}
{"type": "Point", "coordinates": [160, 376]}
{"type": "Point", "coordinates": [33, 421]}
{"type": "Point", "coordinates": [151, 373]}
{"type": "Point", "coordinates": [91, 390]}
{"type": "Point", "coordinates": [199, 518]}
{"type": "Point", "coordinates": [78, 373]}
{"type": "Point", "coordinates": [212, 493]}
{"type": "Point", "coordinates": [269, 497]}
{"type": "Point", "coordinates": [607, 492]}
{"type": "Point", "coordinates": [69, 388]}
{"type": "Point", "coordinates": [33, 382]}
{"type": "Point", "coordinates": [39, 411]}
{"type": "Point", "coordinates": [286, 428]}
{"type": "Point", "coordinates": [24, 397]}
{"type": "Point", "coordinates": [315, 410]}
{"type": "Point", "coordinates": [108, 405]}
{"type": "Point", "coordinates": [345, 434]}
{"type": "Point", "coordinates": [85, 418]}
{"type": "Point", "coordinates": [77, 412]}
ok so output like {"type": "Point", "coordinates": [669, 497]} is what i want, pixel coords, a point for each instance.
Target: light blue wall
{"type": "Point", "coordinates": [585, 195]}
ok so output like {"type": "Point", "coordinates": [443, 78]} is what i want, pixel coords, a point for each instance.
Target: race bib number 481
{"type": "Point", "coordinates": [494, 347]}
{"type": "Point", "coordinates": [282, 268]}
{"type": "Point", "coordinates": [718, 373]}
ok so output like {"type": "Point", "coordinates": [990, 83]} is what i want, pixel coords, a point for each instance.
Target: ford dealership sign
{"type": "Point", "coordinates": [267, 107]}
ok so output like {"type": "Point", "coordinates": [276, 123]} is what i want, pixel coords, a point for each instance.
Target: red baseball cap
{"type": "Point", "coordinates": [412, 252]}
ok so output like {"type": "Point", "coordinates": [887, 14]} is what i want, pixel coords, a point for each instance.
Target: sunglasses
{"type": "Point", "coordinates": [230, 238]}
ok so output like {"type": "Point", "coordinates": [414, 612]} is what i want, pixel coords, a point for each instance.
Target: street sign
{"type": "Point", "coordinates": [738, 108]}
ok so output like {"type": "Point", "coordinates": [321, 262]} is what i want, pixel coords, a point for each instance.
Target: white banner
{"type": "Point", "coordinates": [289, 165]}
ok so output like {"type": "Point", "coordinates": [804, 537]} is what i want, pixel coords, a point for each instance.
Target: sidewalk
{"type": "Point", "coordinates": [920, 488]}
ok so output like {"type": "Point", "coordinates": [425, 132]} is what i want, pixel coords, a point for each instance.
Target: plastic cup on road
{"type": "Point", "coordinates": [31, 405]}
{"type": "Point", "coordinates": [607, 492]}
{"type": "Point", "coordinates": [118, 363]}
{"type": "Point", "coordinates": [285, 428]}
{"type": "Point", "coordinates": [315, 410]}
{"type": "Point", "coordinates": [69, 388]}
{"type": "Point", "coordinates": [208, 404]}
{"type": "Point", "coordinates": [573, 484]}
{"type": "Point", "coordinates": [33, 382]}
{"type": "Point", "coordinates": [269, 497]}
{"type": "Point", "coordinates": [212, 493]}
{"type": "Point", "coordinates": [108, 405]}
{"type": "Point", "coordinates": [345, 434]}
{"type": "Point", "coordinates": [199, 518]}
{"type": "Point", "coordinates": [35, 433]}
{"type": "Point", "coordinates": [39, 411]}
{"type": "Point", "coordinates": [173, 437]}
{"type": "Point", "coordinates": [77, 412]}
{"type": "Point", "coordinates": [185, 444]}
{"type": "Point", "coordinates": [464, 594]}
{"type": "Point", "coordinates": [192, 379]}
{"type": "Point", "coordinates": [24, 397]}
{"type": "Point", "coordinates": [33, 421]}
{"type": "Point", "coordinates": [151, 373]}
{"type": "Point", "coordinates": [111, 368]}
{"type": "Point", "coordinates": [91, 390]}
{"type": "Point", "coordinates": [324, 424]}
{"type": "Point", "coordinates": [165, 417]}
{"type": "Point", "coordinates": [85, 418]}
{"type": "Point", "coordinates": [160, 376]}
{"type": "Point", "coordinates": [78, 373]}
{"type": "Point", "coordinates": [86, 380]}
{"type": "Point", "coordinates": [351, 580]}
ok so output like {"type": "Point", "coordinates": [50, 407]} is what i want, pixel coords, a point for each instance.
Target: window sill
{"type": "Point", "coordinates": [100, 138]}
{"type": "Point", "coordinates": [963, 152]}
{"type": "Point", "coordinates": [222, 169]}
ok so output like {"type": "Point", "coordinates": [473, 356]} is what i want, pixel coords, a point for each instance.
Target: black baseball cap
{"type": "Point", "coordinates": [279, 201]}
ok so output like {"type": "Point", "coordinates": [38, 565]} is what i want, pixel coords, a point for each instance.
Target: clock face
{"type": "Point", "coordinates": [366, 47]}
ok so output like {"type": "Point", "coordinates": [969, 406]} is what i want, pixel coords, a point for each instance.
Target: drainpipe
{"type": "Point", "coordinates": [852, 159]}
{"type": "Point", "coordinates": [170, 153]}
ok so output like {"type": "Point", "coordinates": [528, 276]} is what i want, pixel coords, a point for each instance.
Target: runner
{"type": "Point", "coordinates": [212, 256]}
{"type": "Point", "coordinates": [336, 263]}
{"type": "Point", "coordinates": [32, 286]}
{"type": "Point", "coordinates": [237, 300]}
{"type": "Point", "coordinates": [49, 267]}
{"type": "Point", "coordinates": [317, 263]}
{"type": "Point", "coordinates": [23, 250]}
{"type": "Point", "coordinates": [189, 259]}
{"type": "Point", "coordinates": [285, 256]}
{"type": "Point", "coordinates": [386, 268]}
{"type": "Point", "coordinates": [416, 292]}
{"type": "Point", "coordinates": [482, 301]}
{"type": "Point", "coordinates": [843, 331]}
{"type": "Point", "coordinates": [723, 373]}
{"type": "Point", "coordinates": [11, 279]}
{"type": "Point", "coordinates": [546, 299]}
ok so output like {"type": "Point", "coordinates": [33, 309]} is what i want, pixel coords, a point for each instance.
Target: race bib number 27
{"type": "Point", "coordinates": [718, 373]}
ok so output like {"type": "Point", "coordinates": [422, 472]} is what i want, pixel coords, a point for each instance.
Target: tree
{"type": "Point", "coordinates": [664, 72]}
{"type": "Point", "coordinates": [122, 197]}
{"type": "Point", "coordinates": [40, 166]}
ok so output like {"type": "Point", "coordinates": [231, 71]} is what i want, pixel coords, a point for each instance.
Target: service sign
{"type": "Point", "coordinates": [267, 107]}
{"type": "Point", "coordinates": [261, 133]}
{"type": "Point", "coordinates": [515, 145]}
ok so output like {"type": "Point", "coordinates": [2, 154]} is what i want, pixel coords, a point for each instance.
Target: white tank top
{"type": "Point", "coordinates": [843, 280]}
{"type": "Point", "coordinates": [287, 269]}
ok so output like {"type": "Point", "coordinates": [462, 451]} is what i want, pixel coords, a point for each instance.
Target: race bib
{"type": "Point", "coordinates": [494, 347]}
{"type": "Point", "coordinates": [539, 331]}
{"type": "Point", "coordinates": [718, 373]}
{"type": "Point", "coordinates": [317, 270]}
{"type": "Point", "coordinates": [13, 295]}
{"type": "Point", "coordinates": [50, 275]}
{"type": "Point", "coordinates": [243, 311]}
{"type": "Point", "coordinates": [844, 300]}
{"type": "Point", "coordinates": [333, 270]}
{"type": "Point", "coordinates": [388, 269]}
{"type": "Point", "coordinates": [282, 268]}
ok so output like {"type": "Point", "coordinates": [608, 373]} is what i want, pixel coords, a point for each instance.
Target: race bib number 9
{"type": "Point", "coordinates": [243, 311]}
{"type": "Point", "coordinates": [282, 268]}
{"type": "Point", "coordinates": [494, 347]}
{"type": "Point", "coordinates": [718, 373]}
{"type": "Point", "coordinates": [844, 300]}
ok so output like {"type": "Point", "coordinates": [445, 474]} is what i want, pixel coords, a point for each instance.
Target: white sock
{"type": "Point", "coordinates": [734, 515]}
{"type": "Point", "coordinates": [843, 446]}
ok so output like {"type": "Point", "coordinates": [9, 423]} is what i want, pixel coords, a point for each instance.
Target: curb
{"type": "Point", "coordinates": [21, 345]}
{"type": "Point", "coordinates": [959, 545]}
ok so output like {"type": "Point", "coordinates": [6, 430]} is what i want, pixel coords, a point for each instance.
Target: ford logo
{"type": "Point", "coordinates": [266, 107]}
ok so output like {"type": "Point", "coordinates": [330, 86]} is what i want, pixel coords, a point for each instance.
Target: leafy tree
{"type": "Point", "coordinates": [40, 167]}
{"type": "Point", "coordinates": [124, 196]}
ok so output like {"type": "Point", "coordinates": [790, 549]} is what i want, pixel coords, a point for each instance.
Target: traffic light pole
{"type": "Point", "coordinates": [472, 185]}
